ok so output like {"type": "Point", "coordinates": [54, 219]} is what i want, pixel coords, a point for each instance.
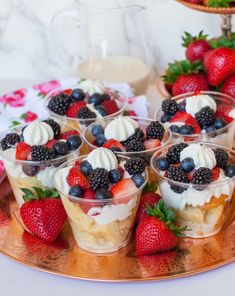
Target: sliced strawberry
{"type": "Point", "coordinates": [22, 151]}
{"type": "Point", "coordinates": [224, 109]}
{"type": "Point", "coordinates": [192, 121]}
{"type": "Point", "coordinates": [50, 143]}
{"type": "Point", "coordinates": [67, 91]}
{"type": "Point", "coordinates": [113, 143]}
{"type": "Point", "coordinates": [215, 173]}
{"type": "Point", "coordinates": [123, 188]}
{"type": "Point", "coordinates": [75, 177]}
{"type": "Point", "coordinates": [77, 163]}
{"type": "Point", "coordinates": [67, 134]}
{"type": "Point", "coordinates": [152, 143]}
{"type": "Point", "coordinates": [180, 116]}
{"type": "Point", "coordinates": [197, 93]}
{"type": "Point", "coordinates": [89, 194]}
{"type": "Point", "coordinates": [74, 109]}
{"type": "Point", "coordinates": [110, 106]}
{"type": "Point", "coordinates": [121, 170]}
{"type": "Point", "coordinates": [227, 118]}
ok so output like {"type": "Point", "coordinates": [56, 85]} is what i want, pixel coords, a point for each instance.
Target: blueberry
{"type": "Point", "coordinates": [95, 99]}
{"type": "Point", "coordinates": [174, 128]}
{"type": "Point", "coordinates": [105, 97]}
{"type": "Point", "coordinates": [186, 130]}
{"type": "Point", "coordinates": [162, 163]}
{"type": "Point", "coordinates": [97, 130]}
{"type": "Point", "coordinates": [101, 110]}
{"type": "Point", "coordinates": [103, 194]}
{"type": "Point", "coordinates": [187, 165]}
{"type": "Point", "coordinates": [85, 167]}
{"type": "Point", "coordinates": [30, 170]}
{"type": "Point", "coordinates": [138, 179]}
{"type": "Point", "coordinates": [165, 118]}
{"type": "Point", "coordinates": [100, 140]}
{"type": "Point", "coordinates": [77, 95]}
{"type": "Point", "coordinates": [219, 123]}
{"type": "Point", "coordinates": [76, 191]}
{"type": "Point", "coordinates": [60, 148]}
{"type": "Point", "coordinates": [230, 170]}
{"type": "Point", "coordinates": [115, 149]}
{"type": "Point", "coordinates": [115, 176]}
{"type": "Point", "coordinates": [211, 129]}
{"type": "Point", "coordinates": [74, 142]}
{"type": "Point", "coordinates": [181, 106]}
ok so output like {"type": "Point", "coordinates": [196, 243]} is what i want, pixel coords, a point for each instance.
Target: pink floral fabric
{"type": "Point", "coordinates": [15, 99]}
{"type": "Point", "coordinates": [46, 87]}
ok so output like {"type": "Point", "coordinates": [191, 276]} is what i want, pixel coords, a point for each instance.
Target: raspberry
{"type": "Point", "coordinates": [75, 108]}
{"type": "Point", "coordinates": [110, 106]}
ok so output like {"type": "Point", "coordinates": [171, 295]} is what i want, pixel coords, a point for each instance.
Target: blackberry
{"type": "Point", "coordinates": [202, 176]}
{"type": "Point", "coordinates": [138, 136]}
{"type": "Point", "coordinates": [99, 178]}
{"type": "Point", "coordinates": [170, 106]}
{"type": "Point", "coordinates": [178, 175]}
{"type": "Point", "coordinates": [59, 104]}
{"type": "Point", "coordinates": [221, 158]}
{"type": "Point", "coordinates": [40, 153]}
{"type": "Point", "coordinates": [134, 146]}
{"type": "Point", "coordinates": [155, 130]}
{"type": "Point", "coordinates": [135, 165]}
{"type": "Point", "coordinates": [10, 140]}
{"type": "Point", "coordinates": [85, 113]}
{"type": "Point", "coordinates": [55, 127]}
{"type": "Point", "coordinates": [173, 154]}
{"type": "Point", "coordinates": [205, 117]}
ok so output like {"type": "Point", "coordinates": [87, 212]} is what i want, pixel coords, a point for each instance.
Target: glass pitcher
{"type": "Point", "coordinates": [110, 45]}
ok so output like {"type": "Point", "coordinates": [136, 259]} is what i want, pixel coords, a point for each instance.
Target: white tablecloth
{"type": "Point", "coordinates": [16, 279]}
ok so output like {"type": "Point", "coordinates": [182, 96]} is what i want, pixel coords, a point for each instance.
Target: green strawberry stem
{"type": "Point", "coordinates": [166, 215]}
{"type": "Point", "coordinates": [38, 193]}
{"type": "Point", "coordinates": [188, 38]}
{"type": "Point", "coordinates": [219, 3]}
{"type": "Point", "coordinates": [223, 41]}
{"type": "Point", "coordinates": [150, 187]}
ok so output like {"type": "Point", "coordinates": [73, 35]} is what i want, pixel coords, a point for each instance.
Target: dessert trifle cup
{"type": "Point", "coordinates": [32, 152]}
{"type": "Point", "coordinates": [81, 104]}
{"type": "Point", "coordinates": [129, 136]}
{"type": "Point", "coordinates": [201, 116]}
{"type": "Point", "coordinates": [101, 193]}
{"type": "Point", "coordinates": [197, 180]}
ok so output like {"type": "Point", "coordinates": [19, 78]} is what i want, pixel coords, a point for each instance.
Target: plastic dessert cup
{"type": "Point", "coordinates": [100, 226]}
{"type": "Point", "coordinates": [80, 124]}
{"type": "Point", "coordinates": [143, 122]}
{"type": "Point", "coordinates": [203, 209]}
{"type": "Point", "coordinates": [42, 170]}
{"type": "Point", "coordinates": [223, 136]}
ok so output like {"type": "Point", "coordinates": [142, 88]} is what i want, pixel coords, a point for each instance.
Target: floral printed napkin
{"type": "Point", "coordinates": [27, 104]}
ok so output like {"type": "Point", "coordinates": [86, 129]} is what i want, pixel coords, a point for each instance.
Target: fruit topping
{"type": "Point", "coordinates": [76, 191]}
{"type": "Point", "coordinates": [152, 144]}
{"type": "Point", "coordinates": [9, 141]}
{"type": "Point", "coordinates": [77, 95]}
{"type": "Point", "coordinates": [162, 163]}
{"type": "Point", "coordinates": [173, 154]}
{"type": "Point", "coordinates": [67, 134]}
{"type": "Point", "coordinates": [155, 130]}
{"type": "Point", "coordinates": [138, 136]}
{"type": "Point", "coordinates": [102, 111]}
{"type": "Point", "coordinates": [99, 178]}
{"type": "Point", "coordinates": [202, 176]}
{"type": "Point", "coordinates": [30, 170]}
{"type": "Point", "coordinates": [178, 175]}
{"type": "Point", "coordinates": [110, 106]}
{"type": "Point", "coordinates": [135, 165]}
{"type": "Point", "coordinates": [85, 167]}
{"type": "Point", "coordinates": [123, 188]}
{"type": "Point", "coordinates": [230, 171]}
{"type": "Point", "coordinates": [97, 130]}
{"type": "Point", "coordinates": [85, 113]}
{"type": "Point", "coordinates": [95, 99]}
{"type": "Point", "coordinates": [186, 130]}
{"type": "Point", "coordinates": [115, 176]}
{"type": "Point", "coordinates": [134, 146]}
{"type": "Point", "coordinates": [22, 151]}
{"type": "Point", "coordinates": [75, 108]}
{"type": "Point", "coordinates": [41, 153]}
{"type": "Point", "coordinates": [103, 194]}
{"type": "Point", "coordinates": [60, 148]}
{"type": "Point", "coordinates": [111, 143]}
{"type": "Point", "coordinates": [55, 127]}
{"type": "Point", "coordinates": [59, 104]}
{"type": "Point", "coordinates": [74, 142]}
{"type": "Point", "coordinates": [187, 165]}
{"type": "Point", "coordinates": [76, 177]}
{"type": "Point", "coordinates": [221, 158]}
{"type": "Point", "coordinates": [138, 179]}
{"type": "Point", "coordinates": [205, 117]}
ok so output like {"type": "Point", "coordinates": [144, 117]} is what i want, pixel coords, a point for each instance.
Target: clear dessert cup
{"type": "Point", "coordinates": [80, 124]}
{"type": "Point", "coordinates": [89, 139]}
{"type": "Point", "coordinates": [223, 136]}
{"type": "Point", "coordinates": [203, 209]}
{"type": "Point", "coordinates": [28, 174]}
{"type": "Point", "coordinates": [99, 226]}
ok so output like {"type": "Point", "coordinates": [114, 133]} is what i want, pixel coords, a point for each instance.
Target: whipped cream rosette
{"type": "Point", "coordinates": [31, 153]}
{"type": "Point", "coordinates": [101, 193]}
{"type": "Point", "coordinates": [202, 116]}
{"type": "Point", "coordinates": [197, 180]}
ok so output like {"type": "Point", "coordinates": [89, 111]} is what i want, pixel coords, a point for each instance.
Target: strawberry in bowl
{"type": "Point", "coordinates": [32, 152]}
{"type": "Point", "coordinates": [81, 104]}
{"type": "Point", "coordinates": [205, 116]}
{"type": "Point", "coordinates": [101, 193]}
{"type": "Point", "coordinates": [128, 135]}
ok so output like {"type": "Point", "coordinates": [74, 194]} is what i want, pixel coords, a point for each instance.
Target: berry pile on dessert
{"type": "Point", "coordinates": [100, 176]}
{"type": "Point", "coordinates": [196, 114]}
{"type": "Point", "coordinates": [124, 134]}
{"type": "Point", "coordinates": [90, 100]}
{"type": "Point", "coordinates": [40, 141]}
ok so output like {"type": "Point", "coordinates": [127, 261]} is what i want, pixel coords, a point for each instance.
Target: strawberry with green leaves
{"type": "Point", "coordinates": [228, 86]}
{"type": "Point", "coordinates": [218, 3]}
{"type": "Point", "coordinates": [43, 213]}
{"type": "Point", "coordinates": [157, 232]}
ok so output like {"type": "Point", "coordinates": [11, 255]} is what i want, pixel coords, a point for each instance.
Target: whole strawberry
{"type": "Point", "coordinates": [197, 46]}
{"type": "Point", "coordinates": [229, 86]}
{"type": "Point", "coordinates": [220, 64]}
{"type": "Point", "coordinates": [157, 232]}
{"type": "Point", "coordinates": [43, 213]}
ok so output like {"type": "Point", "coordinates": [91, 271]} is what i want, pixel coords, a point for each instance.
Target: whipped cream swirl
{"type": "Point", "coordinates": [195, 103]}
{"type": "Point", "coordinates": [91, 86]}
{"type": "Point", "coordinates": [120, 128]}
{"type": "Point", "coordinates": [202, 156]}
{"type": "Point", "coordinates": [102, 158]}
{"type": "Point", "coordinates": [60, 180]}
{"type": "Point", "coordinates": [38, 133]}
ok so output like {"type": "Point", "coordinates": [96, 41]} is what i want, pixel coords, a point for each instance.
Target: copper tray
{"type": "Point", "coordinates": [203, 8]}
{"type": "Point", "coordinates": [64, 258]}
